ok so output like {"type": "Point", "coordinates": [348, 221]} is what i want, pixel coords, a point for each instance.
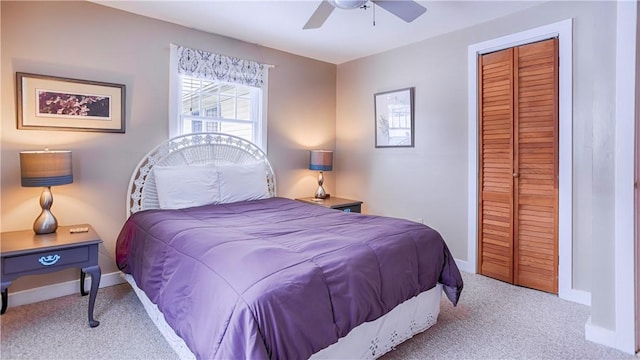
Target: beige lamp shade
{"type": "Point", "coordinates": [45, 168]}
{"type": "Point", "coordinates": [321, 160]}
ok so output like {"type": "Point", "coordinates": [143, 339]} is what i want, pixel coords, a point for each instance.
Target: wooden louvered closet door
{"type": "Point", "coordinates": [518, 214]}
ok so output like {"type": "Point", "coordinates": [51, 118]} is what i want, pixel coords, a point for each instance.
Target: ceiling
{"type": "Point", "coordinates": [345, 36]}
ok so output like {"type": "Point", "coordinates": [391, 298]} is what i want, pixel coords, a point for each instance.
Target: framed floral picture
{"type": "Point", "coordinates": [56, 103]}
{"type": "Point", "coordinates": [394, 118]}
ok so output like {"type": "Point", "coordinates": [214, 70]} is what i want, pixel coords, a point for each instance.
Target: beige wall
{"type": "Point", "coordinates": [88, 41]}
{"type": "Point", "coordinates": [430, 180]}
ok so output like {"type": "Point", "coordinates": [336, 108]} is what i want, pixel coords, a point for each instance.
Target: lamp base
{"type": "Point", "coordinates": [45, 223]}
{"type": "Point", "coordinates": [320, 193]}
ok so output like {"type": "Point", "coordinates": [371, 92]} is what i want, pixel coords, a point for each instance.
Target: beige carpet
{"type": "Point", "coordinates": [494, 320]}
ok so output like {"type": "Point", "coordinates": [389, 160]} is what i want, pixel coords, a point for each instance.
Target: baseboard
{"type": "Point", "coordinates": [599, 335]}
{"type": "Point", "coordinates": [464, 265]}
{"type": "Point", "coordinates": [577, 296]}
{"type": "Point", "coordinates": [61, 289]}
{"type": "Point", "coordinates": [606, 337]}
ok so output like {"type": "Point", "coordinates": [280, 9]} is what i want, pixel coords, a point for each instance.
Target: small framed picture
{"type": "Point", "coordinates": [56, 103]}
{"type": "Point", "coordinates": [394, 118]}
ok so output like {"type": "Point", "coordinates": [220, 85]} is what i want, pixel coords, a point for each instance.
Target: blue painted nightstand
{"type": "Point", "coordinates": [25, 253]}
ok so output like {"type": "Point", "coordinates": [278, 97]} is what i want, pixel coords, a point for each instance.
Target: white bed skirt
{"type": "Point", "coordinates": [367, 341]}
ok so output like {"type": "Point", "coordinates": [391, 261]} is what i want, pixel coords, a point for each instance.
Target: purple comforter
{"type": "Point", "coordinates": [278, 278]}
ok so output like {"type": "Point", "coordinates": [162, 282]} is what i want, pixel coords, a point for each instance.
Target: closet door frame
{"type": "Point", "coordinates": [626, 118]}
{"type": "Point", "coordinates": [562, 30]}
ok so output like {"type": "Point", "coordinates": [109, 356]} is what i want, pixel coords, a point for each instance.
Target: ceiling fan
{"type": "Point", "coordinates": [406, 10]}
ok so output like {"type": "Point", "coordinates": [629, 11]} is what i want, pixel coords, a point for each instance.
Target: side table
{"type": "Point", "coordinates": [25, 253]}
{"type": "Point", "coordinates": [337, 203]}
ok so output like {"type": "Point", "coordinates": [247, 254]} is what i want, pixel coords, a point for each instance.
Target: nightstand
{"type": "Point", "coordinates": [25, 253]}
{"type": "Point", "coordinates": [337, 203]}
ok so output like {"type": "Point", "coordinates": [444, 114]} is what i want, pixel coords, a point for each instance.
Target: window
{"type": "Point", "coordinates": [217, 93]}
{"type": "Point", "coordinates": [208, 105]}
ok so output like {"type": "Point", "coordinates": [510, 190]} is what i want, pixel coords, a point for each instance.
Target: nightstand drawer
{"type": "Point", "coordinates": [45, 259]}
{"type": "Point", "coordinates": [352, 208]}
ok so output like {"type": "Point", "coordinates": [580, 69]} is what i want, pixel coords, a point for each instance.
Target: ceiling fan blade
{"type": "Point", "coordinates": [405, 10]}
{"type": "Point", "coordinates": [319, 16]}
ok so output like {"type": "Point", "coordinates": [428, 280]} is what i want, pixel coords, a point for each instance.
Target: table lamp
{"type": "Point", "coordinates": [45, 168]}
{"type": "Point", "coordinates": [321, 160]}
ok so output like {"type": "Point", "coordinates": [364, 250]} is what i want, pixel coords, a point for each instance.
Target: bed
{"type": "Point", "coordinates": [226, 269]}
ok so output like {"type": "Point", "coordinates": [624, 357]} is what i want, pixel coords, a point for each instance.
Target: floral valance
{"type": "Point", "coordinates": [206, 65]}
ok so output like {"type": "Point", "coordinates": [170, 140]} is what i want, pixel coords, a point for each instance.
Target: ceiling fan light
{"type": "Point", "coordinates": [347, 4]}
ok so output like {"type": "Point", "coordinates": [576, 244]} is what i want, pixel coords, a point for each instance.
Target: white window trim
{"type": "Point", "coordinates": [175, 83]}
{"type": "Point", "coordinates": [175, 122]}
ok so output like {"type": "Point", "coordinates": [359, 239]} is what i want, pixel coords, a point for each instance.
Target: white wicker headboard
{"type": "Point", "coordinates": [191, 149]}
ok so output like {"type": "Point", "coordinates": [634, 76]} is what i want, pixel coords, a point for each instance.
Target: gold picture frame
{"type": "Point", "coordinates": [56, 103]}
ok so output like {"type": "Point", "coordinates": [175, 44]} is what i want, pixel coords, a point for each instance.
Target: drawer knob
{"type": "Point", "coordinates": [49, 259]}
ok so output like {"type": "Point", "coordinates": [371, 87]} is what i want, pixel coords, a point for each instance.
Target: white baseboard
{"type": "Point", "coordinates": [61, 289]}
{"type": "Point", "coordinates": [464, 265]}
{"type": "Point", "coordinates": [599, 335]}
{"type": "Point", "coordinates": [577, 296]}
{"type": "Point", "coordinates": [574, 295]}
{"type": "Point", "coordinates": [606, 337]}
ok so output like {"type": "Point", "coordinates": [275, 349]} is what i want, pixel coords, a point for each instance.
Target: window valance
{"type": "Point", "coordinates": [206, 65]}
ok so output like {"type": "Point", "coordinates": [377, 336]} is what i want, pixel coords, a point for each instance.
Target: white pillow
{"type": "Point", "coordinates": [185, 186]}
{"type": "Point", "coordinates": [243, 182]}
